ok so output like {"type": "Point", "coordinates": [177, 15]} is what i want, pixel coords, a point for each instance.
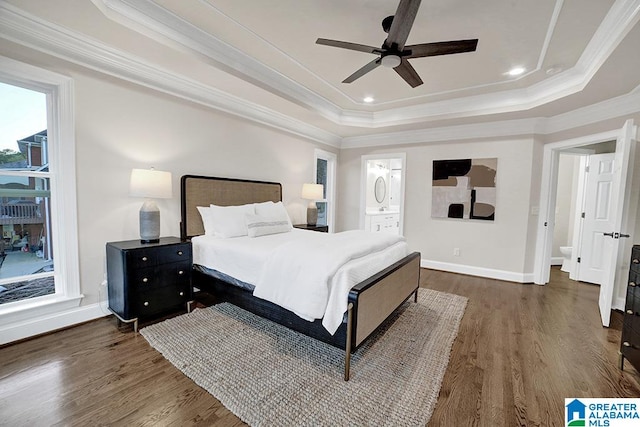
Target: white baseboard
{"type": "Point", "coordinates": [557, 260]}
{"type": "Point", "coordinates": [509, 276]}
{"type": "Point", "coordinates": [39, 325]}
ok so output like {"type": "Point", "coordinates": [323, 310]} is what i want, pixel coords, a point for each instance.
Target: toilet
{"type": "Point", "coordinates": [566, 262]}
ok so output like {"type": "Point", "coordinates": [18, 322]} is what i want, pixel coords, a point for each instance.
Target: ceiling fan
{"type": "Point", "coordinates": [393, 53]}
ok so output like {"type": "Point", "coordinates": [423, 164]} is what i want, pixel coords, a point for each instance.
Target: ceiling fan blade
{"type": "Point", "coordinates": [408, 73]}
{"type": "Point", "coordinates": [350, 46]}
{"type": "Point", "coordinates": [362, 71]}
{"type": "Point", "coordinates": [441, 48]}
{"type": "Point", "coordinates": [402, 23]}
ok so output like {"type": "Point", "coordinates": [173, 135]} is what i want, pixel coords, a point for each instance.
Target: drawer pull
{"type": "Point", "coordinates": [181, 272]}
{"type": "Point", "coordinates": [179, 252]}
{"type": "Point", "coordinates": [145, 280]}
{"type": "Point", "coordinates": [626, 344]}
{"type": "Point", "coordinates": [629, 311]}
{"type": "Point", "coordinates": [144, 258]}
{"type": "Point", "coordinates": [632, 284]}
{"type": "Point", "coordinates": [181, 293]}
{"type": "Point", "coordinates": [146, 303]}
{"type": "Point", "coordinates": [635, 261]}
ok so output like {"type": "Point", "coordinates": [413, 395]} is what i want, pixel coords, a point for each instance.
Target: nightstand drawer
{"type": "Point", "coordinates": [150, 257]}
{"type": "Point", "coordinates": [630, 346]}
{"type": "Point", "coordinates": [161, 300]}
{"type": "Point", "coordinates": [162, 275]}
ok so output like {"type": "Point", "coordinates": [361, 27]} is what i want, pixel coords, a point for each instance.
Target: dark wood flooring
{"type": "Point", "coordinates": [520, 351]}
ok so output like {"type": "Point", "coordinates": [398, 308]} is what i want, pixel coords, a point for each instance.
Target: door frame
{"type": "Point", "coordinates": [363, 184]}
{"type": "Point", "coordinates": [548, 191]}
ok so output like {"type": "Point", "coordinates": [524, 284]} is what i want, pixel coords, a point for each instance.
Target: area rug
{"type": "Point", "coordinates": [269, 375]}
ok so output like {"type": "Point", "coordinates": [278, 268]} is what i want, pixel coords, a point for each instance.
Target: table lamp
{"type": "Point", "coordinates": [312, 192]}
{"type": "Point", "coordinates": [150, 184]}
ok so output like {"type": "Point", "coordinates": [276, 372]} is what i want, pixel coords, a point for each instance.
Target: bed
{"type": "Point", "coordinates": [369, 303]}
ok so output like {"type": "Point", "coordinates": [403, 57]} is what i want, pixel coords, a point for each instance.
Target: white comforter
{"type": "Point", "coordinates": [291, 261]}
{"type": "Point", "coordinates": [299, 275]}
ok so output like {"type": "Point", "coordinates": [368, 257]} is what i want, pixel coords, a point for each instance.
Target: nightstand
{"type": "Point", "coordinates": [148, 279]}
{"type": "Point", "coordinates": [320, 228]}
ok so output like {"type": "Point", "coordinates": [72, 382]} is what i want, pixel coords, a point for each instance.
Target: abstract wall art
{"type": "Point", "coordinates": [464, 189]}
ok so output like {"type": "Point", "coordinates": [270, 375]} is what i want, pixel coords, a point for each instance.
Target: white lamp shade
{"type": "Point", "coordinates": [150, 184]}
{"type": "Point", "coordinates": [312, 191]}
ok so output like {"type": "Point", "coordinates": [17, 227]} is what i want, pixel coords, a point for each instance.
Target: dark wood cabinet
{"type": "Point", "coordinates": [320, 228]}
{"type": "Point", "coordinates": [630, 346]}
{"type": "Point", "coordinates": [148, 279]}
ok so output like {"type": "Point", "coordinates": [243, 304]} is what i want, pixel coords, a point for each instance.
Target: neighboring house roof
{"type": "Point", "coordinates": [33, 140]}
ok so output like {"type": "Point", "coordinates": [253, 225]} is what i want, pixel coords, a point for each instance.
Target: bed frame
{"type": "Point", "coordinates": [370, 303]}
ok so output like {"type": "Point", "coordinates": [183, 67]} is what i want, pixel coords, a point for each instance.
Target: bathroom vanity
{"type": "Point", "coordinates": [385, 221]}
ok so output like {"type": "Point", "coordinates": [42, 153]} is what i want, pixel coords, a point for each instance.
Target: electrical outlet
{"type": "Point", "coordinates": [456, 251]}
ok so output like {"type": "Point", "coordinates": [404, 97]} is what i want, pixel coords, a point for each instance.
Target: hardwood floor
{"type": "Point", "coordinates": [520, 351]}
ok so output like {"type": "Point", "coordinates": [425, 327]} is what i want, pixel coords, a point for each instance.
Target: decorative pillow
{"type": "Point", "coordinates": [207, 221]}
{"type": "Point", "coordinates": [261, 226]}
{"type": "Point", "coordinates": [273, 211]}
{"type": "Point", "coordinates": [229, 221]}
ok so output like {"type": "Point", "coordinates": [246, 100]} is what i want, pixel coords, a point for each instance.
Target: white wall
{"type": "Point", "coordinates": [498, 245]}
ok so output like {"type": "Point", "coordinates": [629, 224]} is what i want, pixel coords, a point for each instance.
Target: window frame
{"type": "Point", "coordinates": [62, 178]}
{"type": "Point", "coordinates": [330, 191]}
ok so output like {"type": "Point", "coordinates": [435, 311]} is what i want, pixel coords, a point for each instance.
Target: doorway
{"type": "Point", "coordinates": [623, 204]}
{"type": "Point", "coordinates": [581, 213]}
{"type": "Point", "coordinates": [382, 193]}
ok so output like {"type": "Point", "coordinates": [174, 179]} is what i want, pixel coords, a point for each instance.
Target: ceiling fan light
{"type": "Point", "coordinates": [391, 61]}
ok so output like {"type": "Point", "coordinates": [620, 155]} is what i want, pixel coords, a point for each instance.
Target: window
{"type": "Point", "coordinates": [37, 193]}
{"type": "Point", "coordinates": [26, 259]}
{"type": "Point", "coordinates": [325, 174]}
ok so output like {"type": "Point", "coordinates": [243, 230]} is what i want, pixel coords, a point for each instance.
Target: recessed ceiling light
{"type": "Point", "coordinates": [368, 99]}
{"type": "Point", "coordinates": [516, 71]}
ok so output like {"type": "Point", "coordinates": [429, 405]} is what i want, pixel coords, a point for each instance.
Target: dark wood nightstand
{"type": "Point", "coordinates": [148, 279]}
{"type": "Point", "coordinates": [320, 228]}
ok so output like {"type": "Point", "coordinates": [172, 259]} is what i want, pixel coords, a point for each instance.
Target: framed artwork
{"type": "Point", "coordinates": [464, 189]}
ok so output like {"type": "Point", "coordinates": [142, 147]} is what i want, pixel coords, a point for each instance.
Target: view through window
{"type": "Point", "coordinates": [26, 258]}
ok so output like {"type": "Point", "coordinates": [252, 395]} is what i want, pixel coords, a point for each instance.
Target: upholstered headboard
{"type": "Point", "coordinates": [205, 190]}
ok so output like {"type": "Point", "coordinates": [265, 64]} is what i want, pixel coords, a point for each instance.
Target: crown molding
{"type": "Point", "coordinates": [25, 29]}
{"type": "Point", "coordinates": [620, 106]}
{"type": "Point", "coordinates": [149, 18]}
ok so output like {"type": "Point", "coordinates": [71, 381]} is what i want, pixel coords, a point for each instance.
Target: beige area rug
{"type": "Point", "coordinates": [269, 375]}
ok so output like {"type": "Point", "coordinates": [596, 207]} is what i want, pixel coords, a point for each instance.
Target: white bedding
{"type": "Point", "coordinates": [273, 261]}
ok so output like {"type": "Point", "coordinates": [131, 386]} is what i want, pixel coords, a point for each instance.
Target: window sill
{"type": "Point", "coordinates": [37, 307]}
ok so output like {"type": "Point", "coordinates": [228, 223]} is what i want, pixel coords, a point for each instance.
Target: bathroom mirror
{"type": "Point", "coordinates": [380, 189]}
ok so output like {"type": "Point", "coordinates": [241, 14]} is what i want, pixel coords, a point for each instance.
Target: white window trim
{"type": "Point", "coordinates": [332, 161]}
{"type": "Point", "coordinates": [64, 225]}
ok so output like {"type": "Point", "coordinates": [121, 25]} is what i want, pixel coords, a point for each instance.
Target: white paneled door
{"type": "Point", "coordinates": [619, 207]}
{"type": "Point", "coordinates": [598, 219]}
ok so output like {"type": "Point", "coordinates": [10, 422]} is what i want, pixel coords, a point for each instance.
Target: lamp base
{"type": "Point", "coordinates": [149, 222]}
{"type": "Point", "coordinates": [312, 215]}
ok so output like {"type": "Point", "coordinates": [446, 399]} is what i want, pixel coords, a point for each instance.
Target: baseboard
{"type": "Point", "coordinates": [47, 323]}
{"type": "Point", "coordinates": [556, 260]}
{"type": "Point", "coordinates": [489, 273]}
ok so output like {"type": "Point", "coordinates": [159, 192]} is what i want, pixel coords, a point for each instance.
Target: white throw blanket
{"type": "Point", "coordinates": [297, 275]}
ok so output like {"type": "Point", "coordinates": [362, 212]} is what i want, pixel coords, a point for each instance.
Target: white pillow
{"type": "Point", "coordinates": [207, 221]}
{"type": "Point", "coordinates": [229, 221]}
{"type": "Point", "coordinates": [261, 226]}
{"type": "Point", "coordinates": [274, 211]}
